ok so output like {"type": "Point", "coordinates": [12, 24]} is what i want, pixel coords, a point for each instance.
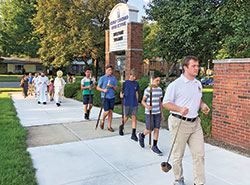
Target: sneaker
{"type": "Point", "coordinates": [141, 140]}
{"type": "Point", "coordinates": [58, 104]}
{"type": "Point", "coordinates": [179, 182]}
{"type": "Point", "coordinates": [44, 103]}
{"type": "Point", "coordinates": [85, 116]}
{"type": "Point", "coordinates": [121, 127]}
{"type": "Point", "coordinates": [134, 137]}
{"type": "Point", "coordinates": [156, 150]}
{"type": "Point", "coordinates": [88, 114]}
{"type": "Point", "coordinates": [39, 102]}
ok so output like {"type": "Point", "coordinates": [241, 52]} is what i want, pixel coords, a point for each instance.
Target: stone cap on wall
{"type": "Point", "coordinates": [232, 60]}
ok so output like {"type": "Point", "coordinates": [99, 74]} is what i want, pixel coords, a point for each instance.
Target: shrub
{"type": "Point", "coordinates": [70, 90]}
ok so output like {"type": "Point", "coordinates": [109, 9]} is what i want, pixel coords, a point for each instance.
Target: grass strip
{"type": "Point", "coordinates": [15, 162]}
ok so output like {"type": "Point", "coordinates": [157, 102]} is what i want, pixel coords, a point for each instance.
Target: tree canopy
{"type": "Point", "coordinates": [16, 31]}
{"type": "Point", "coordinates": [206, 29]}
{"type": "Point", "coordinates": [72, 30]}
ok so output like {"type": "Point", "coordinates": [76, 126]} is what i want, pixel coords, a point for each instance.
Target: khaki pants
{"type": "Point", "coordinates": [189, 133]}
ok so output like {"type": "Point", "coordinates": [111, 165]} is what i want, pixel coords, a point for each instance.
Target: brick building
{"type": "Point", "coordinates": [231, 101]}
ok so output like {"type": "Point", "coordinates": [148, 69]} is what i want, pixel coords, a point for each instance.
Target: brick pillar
{"type": "Point", "coordinates": [134, 49]}
{"type": "Point", "coordinates": [231, 101]}
{"type": "Point", "coordinates": [109, 56]}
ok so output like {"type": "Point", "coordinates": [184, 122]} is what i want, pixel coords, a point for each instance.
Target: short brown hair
{"type": "Point", "coordinates": [109, 66]}
{"type": "Point", "coordinates": [132, 72]}
{"type": "Point", "coordinates": [185, 61]}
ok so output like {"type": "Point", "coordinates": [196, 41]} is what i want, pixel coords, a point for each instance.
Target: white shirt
{"type": "Point", "coordinates": [43, 80]}
{"type": "Point", "coordinates": [59, 82]}
{"type": "Point", "coordinates": [184, 93]}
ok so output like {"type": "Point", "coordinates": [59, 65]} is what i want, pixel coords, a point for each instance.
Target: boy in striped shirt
{"type": "Point", "coordinates": [157, 113]}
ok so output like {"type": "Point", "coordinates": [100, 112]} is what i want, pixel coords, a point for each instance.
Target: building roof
{"type": "Point", "coordinates": [15, 60]}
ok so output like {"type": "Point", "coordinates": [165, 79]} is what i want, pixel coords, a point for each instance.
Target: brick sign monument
{"type": "Point", "coordinates": [123, 47]}
{"type": "Point", "coordinates": [231, 101]}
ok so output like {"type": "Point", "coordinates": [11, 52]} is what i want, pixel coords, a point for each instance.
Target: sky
{"type": "Point", "coordinates": [139, 4]}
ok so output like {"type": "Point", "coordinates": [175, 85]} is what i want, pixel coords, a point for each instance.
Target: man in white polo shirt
{"type": "Point", "coordinates": [183, 99]}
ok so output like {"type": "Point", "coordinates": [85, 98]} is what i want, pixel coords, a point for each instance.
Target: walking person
{"type": "Point", "coordinates": [35, 85]}
{"type": "Point", "coordinates": [68, 79]}
{"type": "Point", "coordinates": [87, 85]}
{"type": "Point", "coordinates": [51, 88]}
{"type": "Point", "coordinates": [130, 95]}
{"type": "Point", "coordinates": [25, 85]}
{"type": "Point", "coordinates": [59, 87]}
{"type": "Point", "coordinates": [108, 80]}
{"type": "Point", "coordinates": [43, 82]}
{"type": "Point", "coordinates": [73, 78]}
{"type": "Point", "coordinates": [157, 113]}
{"type": "Point", "coordinates": [183, 99]}
{"type": "Point", "coordinates": [30, 78]}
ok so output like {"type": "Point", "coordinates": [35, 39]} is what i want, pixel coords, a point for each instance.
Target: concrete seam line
{"type": "Point", "coordinates": [75, 134]}
{"type": "Point", "coordinates": [119, 171]}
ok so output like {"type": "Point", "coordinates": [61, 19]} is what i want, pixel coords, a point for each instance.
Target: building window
{"type": "Point", "coordinates": [19, 68]}
{"type": "Point", "coordinates": [39, 67]}
{"type": "Point", "coordinates": [74, 69]}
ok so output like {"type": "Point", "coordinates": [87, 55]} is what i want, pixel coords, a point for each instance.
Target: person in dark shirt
{"type": "Point", "coordinates": [130, 95]}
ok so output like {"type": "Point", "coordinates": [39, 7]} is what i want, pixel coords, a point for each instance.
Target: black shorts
{"type": "Point", "coordinates": [108, 104]}
{"type": "Point", "coordinates": [86, 99]}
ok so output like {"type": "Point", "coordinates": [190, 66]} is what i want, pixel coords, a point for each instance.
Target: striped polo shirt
{"type": "Point", "coordinates": [156, 95]}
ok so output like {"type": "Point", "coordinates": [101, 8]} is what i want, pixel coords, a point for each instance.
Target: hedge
{"type": "Point", "coordinates": [73, 90]}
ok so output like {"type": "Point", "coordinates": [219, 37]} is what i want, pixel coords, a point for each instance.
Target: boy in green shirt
{"type": "Point", "coordinates": [87, 85]}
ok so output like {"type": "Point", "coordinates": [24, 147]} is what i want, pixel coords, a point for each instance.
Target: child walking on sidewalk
{"type": "Point", "coordinates": [130, 95]}
{"type": "Point", "coordinates": [157, 113]}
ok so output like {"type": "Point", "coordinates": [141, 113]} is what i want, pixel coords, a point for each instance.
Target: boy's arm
{"type": "Point", "coordinates": [162, 115]}
{"type": "Point", "coordinates": [143, 102]}
{"type": "Point", "coordinates": [137, 96]}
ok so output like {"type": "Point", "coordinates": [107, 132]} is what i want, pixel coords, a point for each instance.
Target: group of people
{"type": "Point", "coordinates": [182, 99]}
{"type": "Point", "coordinates": [43, 86]}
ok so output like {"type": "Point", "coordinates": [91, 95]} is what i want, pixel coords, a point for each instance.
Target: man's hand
{"type": "Point", "coordinates": [183, 111]}
{"type": "Point", "coordinates": [105, 90]}
{"type": "Point", "coordinates": [204, 108]}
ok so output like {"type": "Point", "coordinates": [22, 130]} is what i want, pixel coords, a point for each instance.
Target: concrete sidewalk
{"type": "Point", "coordinates": [74, 153]}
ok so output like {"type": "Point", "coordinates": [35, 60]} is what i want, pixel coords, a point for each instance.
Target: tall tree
{"type": "Point", "coordinates": [232, 20]}
{"type": "Point", "coordinates": [72, 29]}
{"type": "Point", "coordinates": [16, 31]}
{"type": "Point", "coordinates": [185, 28]}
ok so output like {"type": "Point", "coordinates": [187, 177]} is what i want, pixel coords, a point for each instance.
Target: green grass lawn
{"type": "Point", "coordinates": [15, 162]}
{"type": "Point", "coordinates": [206, 120]}
{"type": "Point", "coordinates": [10, 78]}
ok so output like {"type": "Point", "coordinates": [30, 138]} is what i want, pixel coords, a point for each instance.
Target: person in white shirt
{"type": "Point", "coordinates": [59, 87]}
{"type": "Point", "coordinates": [183, 99]}
{"type": "Point", "coordinates": [43, 82]}
{"type": "Point", "coordinates": [35, 84]}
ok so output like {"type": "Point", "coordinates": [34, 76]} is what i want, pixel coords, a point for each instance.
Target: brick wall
{"type": "Point", "coordinates": [231, 101]}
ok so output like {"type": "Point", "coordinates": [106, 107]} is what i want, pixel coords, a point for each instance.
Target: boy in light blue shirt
{"type": "Point", "coordinates": [108, 80]}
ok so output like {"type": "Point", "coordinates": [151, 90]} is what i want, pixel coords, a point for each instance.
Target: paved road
{"type": "Point", "coordinates": [9, 84]}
